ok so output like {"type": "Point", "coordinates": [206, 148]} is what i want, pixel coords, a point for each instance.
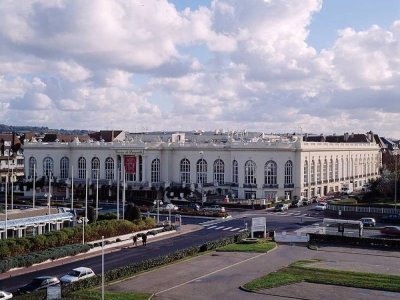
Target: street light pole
{"type": "Point", "coordinates": [6, 204]}
{"type": "Point", "coordinates": [395, 182]}
{"type": "Point", "coordinates": [123, 195]}
{"type": "Point", "coordinates": [49, 197]}
{"type": "Point", "coordinates": [97, 193]}
{"type": "Point", "coordinates": [12, 188]}
{"type": "Point", "coordinates": [102, 267]}
{"type": "Point", "coordinates": [72, 188]}
{"type": "Point", "coordinates": [86, 200]}
{"type": "Point", "coordinates": [34, 186]}
{"type": "Point", "coordinates": [118, 194]}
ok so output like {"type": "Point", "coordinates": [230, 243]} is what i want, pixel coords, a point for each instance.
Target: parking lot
{"type": "Point", "coordinates": [219, 275]}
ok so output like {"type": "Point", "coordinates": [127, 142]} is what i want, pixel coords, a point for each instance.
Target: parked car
{"type": "Point", "coordinates": [77, 274]}
{"type": "Point", "coordinates": [391, 219]}
{"type": "Point", "coordinates": [320, 206]}
{"type": "Point", "coordinates": [306, 201]}
{"type": "Point", "coordinates": [169, 206]}
{"type": "Point", "coordinates": [193, 206]}
{"type": "Point", "coordinates": [214, 208]}
{"type": "Point", "coordinates": [281, 207]}
{"type": "Point", "coordinates": [391, 230]}
{"type": "Point", "coordinates": [5, 295]}
{"type": "Point", "coordinates": [39, 283]}
{"type": "Point", "coordinates": [368, 222]}
{"type": "Point", "coordinates": [296, 203]}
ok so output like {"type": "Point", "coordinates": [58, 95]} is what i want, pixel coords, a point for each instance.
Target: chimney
{"type": "Point", "coordinates": [346, 136]}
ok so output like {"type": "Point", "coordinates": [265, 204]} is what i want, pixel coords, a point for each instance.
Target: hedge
{"type": "Point", "coordinates": [354, 241]}
{"type": "Point", "coordinates": [132, 269]}
{"type": "Point", "coordinates": [27, 260]}
{"type": "Point", "coordinates": [67, 236]}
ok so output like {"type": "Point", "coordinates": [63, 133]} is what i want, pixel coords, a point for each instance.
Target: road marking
{"type": "Point", "coordinates": [206, 275]}
{"type": "Point", "coordinates": [241, 230]}
{"type": "Point", "coordinates": [234, 229]}
{"type": "Point", "coordinates": [211, 227]}
{"type": "Point", "coordinates": [219, 227]}
{"type": "Point", "coordinates": [227, 228]}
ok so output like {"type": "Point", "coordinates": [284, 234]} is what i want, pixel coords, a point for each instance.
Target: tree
{"type": "Point", "coordinates": [132, 212]}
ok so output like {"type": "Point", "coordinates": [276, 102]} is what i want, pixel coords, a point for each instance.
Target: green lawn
{"type": "Point", "coordinates": [261, 246]}
{"type": "Point", "coordinates": [96, 294]}
{"type": "Point", "coordinates": [299, 271]}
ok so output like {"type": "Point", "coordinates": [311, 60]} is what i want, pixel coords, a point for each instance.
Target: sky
{"type": "Point", "coordinates": [282, 66]}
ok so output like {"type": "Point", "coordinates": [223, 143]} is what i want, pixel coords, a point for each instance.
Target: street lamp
{"type": "Point", "coordinates": [396, 153]}
{"type": "Point", "coordinates": [86, 200]}
{"type": "Point", "coordinates": [158, 202]}
{"type": "Point", "coordinates": [83, 221]}
{"type": "Point", "coordinates": [34, 186]}
{"type": "Point", "coordinates": [49, 198]}
{"type": "Point", "coordinates": [123, 194]}
{"type": "Point", "coordinates": [6, 204]}
{"type": "Point", "coordinates": [97, 194]}
{"type": "Point", "coordinates": [118, 193]}
{"type": "Point", "coordinates": [72, 188]}
{"type": "Point", "coordinates": [102, 267]}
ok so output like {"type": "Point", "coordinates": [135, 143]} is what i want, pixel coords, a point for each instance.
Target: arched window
{"type": "Point", "coordinates": [325, 171]}
{"type": "Point", "coordinates": [331, 169]}
{"type": "Point", "coordinates": [95, 168]}
{"type": "Point", "coordinates": [312, 172]}
{"type": "Point", "coordinates": [201, 168]}
{"type": "Point", "coordinates": [289, 172]}
{"type": "Point", "coordinates": [305, 172]}
{"type": "Point", "coordinates": [219, 172]}
{"type": "Point", "coordinates": [270, 173]}
{"type": "Point", "coordinates": [319, 171]}
{"type": "Point", "coordinates": [82, 168]}
{"type": "Point", "coordinates": [337, 169]}
{"type": "Point", "coordinates": [64, 168]}
{"type": "Point", "coordinates": [109, 164]}
{"type": "Point", "coordinates": [48, 166]}
{"type": "Point", "coordinates": [32, 167]}
{"type": "Point", "coordinates": [250, 172]}
{"type": "Point", "coordinates": [155, 170]}
{"type": "Point", "coordinates": [185, 170]}
{"type": "Point", "coordinates": [235, 172]}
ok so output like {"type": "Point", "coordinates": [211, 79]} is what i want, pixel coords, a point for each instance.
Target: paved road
{"type": "Point", "coordinates": [219, 275]}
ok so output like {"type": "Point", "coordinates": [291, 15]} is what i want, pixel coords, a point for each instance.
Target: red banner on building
{"type": "Point", "coordinates": [130, 164]}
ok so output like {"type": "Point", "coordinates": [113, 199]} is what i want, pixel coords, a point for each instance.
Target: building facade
{"type": "Point", "coordinates": [243, 166]}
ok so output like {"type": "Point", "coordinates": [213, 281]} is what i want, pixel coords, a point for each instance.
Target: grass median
{"type": "Point", "coordinates": [300, 271]}
{"type": "Point", "coordinates": [260, 247]}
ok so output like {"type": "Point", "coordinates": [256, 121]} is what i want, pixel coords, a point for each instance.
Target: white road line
{"type": "Point", "coordinates": [241, 230]}
{"type": "Point", "coordinates": [211, 273]}
{"type": "Point", "coordinates": [211, 227]}
{"type": "Point", "coordinates": [227, 228]}
{"type": "Point", "coordinates": [234, 229]}
{"type": "Point", "coordinates": [219, 227]}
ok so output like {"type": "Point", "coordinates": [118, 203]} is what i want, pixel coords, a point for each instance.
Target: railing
{"type": "Point", "coordinates": [362, 209]}
{"type": "Point", "coordinates": [289, 186]}
{"type": "Point", "coordinates": [249, 185]}
{"type": "Point", "coordinates": [271, 186]}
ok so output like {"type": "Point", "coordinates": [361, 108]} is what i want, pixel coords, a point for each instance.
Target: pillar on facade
{"type": "Point", "coordinates": [143, 168]}
{"type": "Point", "coordinates": [137, 168]}
{"type": "Point", "coordinates": [19, 232]}
{"type": "Point", "coordinates": [57, 226]}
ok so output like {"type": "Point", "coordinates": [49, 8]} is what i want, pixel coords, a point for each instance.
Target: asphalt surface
{"type": "Point", "coordinates": [219, 275]}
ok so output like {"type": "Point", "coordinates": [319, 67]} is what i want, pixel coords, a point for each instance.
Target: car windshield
{"type": "Point", "coordinates": [35, 283]}
{"type": "Point", "coordinates": [74, 273]}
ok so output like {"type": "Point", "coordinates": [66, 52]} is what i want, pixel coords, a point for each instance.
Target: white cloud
{"type": "Point", "coordinates": [129, 64]}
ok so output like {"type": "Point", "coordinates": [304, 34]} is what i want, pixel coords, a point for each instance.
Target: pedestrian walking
{"type": "Point", "coordinates": [134, 238]}
{"type": "Point", "coordinates": [144, 239]}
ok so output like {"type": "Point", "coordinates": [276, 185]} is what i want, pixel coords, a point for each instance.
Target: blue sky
{"type": "Point", "coordinates": [268, 65]}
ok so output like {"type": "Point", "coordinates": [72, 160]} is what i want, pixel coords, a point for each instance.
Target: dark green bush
{"type": "Point", "coordinates": [27, 260]}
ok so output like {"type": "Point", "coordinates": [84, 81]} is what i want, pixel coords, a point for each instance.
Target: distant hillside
{"type": "Point", "coordinates": [41, 130]}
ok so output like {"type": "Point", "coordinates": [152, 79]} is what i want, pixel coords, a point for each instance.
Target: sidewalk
{"type": "Point", "coordinates": [96, 251]}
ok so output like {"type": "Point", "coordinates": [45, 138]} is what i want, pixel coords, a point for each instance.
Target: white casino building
{"type": "Point", "coordinates": [243, 164]}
